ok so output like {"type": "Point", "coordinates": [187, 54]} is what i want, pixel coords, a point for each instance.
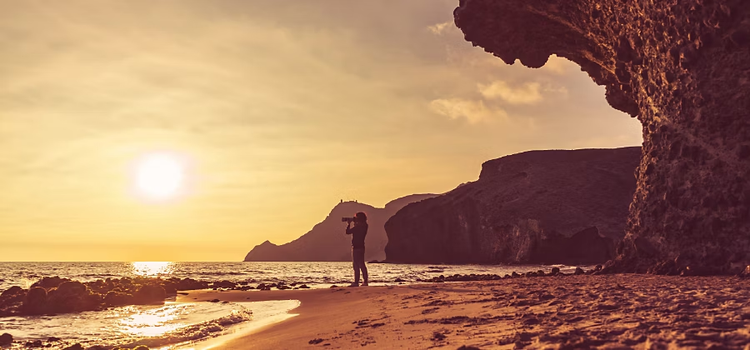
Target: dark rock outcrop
{"type": "Point", "coordinates": [54, 295]}
{"type": "Point", "coordinates": [117, 298]}
{"type": "Point", "coordinates": [6, 339]}
{"type": "Point", "coordinates": [72, 296]}
{"type": "Point", "coordinates": [35, 302]}
{"type": "Point", "coordinates": [11, 298]}
{"type": "Point", "coordinates": [327, 241]}
{"type": "Point", "coordinates": [535, 207]}
{"type": "Point", "coordinates": [683, 69]}
{"type": "Point", "coordinates": [50, 282]}
{"type": "Point", "coordinates": [150, 294]}
{"type": "Point", "coordinates": [11, 292]}
{"type": "Point", "coordinates": [585, 247]}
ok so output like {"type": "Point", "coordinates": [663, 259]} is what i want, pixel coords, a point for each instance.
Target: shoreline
{"type": "Point", "coordinates": [241, 330]}
{"type": "Point", "coordinates": [312, 304]}
{"type": "Point", "coordinates": [611, 311]}
{"type": "Point", "coordinates": [103, 295]}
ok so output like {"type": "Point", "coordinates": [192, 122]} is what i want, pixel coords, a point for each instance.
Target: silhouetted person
{"type": "Point", "coordinates": [358, 232]}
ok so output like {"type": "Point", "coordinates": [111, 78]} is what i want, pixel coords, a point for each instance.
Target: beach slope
{"type": "Point", "coordinates": [611, 311]}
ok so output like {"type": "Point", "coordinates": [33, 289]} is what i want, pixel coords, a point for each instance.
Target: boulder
{"type": "Point", "coordinates": [35, 302]}
{"type": "Point", "coordinates": [11, 292]}
{"type": "Point", "coordinates": [682, 68]}
{"type": "Point", "coordinates": [189, 284]}
{"type": "Point", "coordinates": [6, 339]}
{"type": "Point", "coordinates": [170, 288]}
{"type": "Point", "coordinates": [50, 282]}
{"type": "Point", "coordinates": [33, 344]}
{"type": "Point", "coordinates": [117, 298]}
{"type": "Point", "coordinates": [149, 294]}
{"type": "Point", "coordinates": [72, 288]}
{"type": "Point", "coordinates": [11, 299]}
{"type": "Point", "coordinates": [72, 296]}
{"type": "Point", "coordinates": [223, 284]}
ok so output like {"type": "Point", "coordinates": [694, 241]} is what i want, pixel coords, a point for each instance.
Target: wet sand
{"type": "Point", "coordinates": [611, 312]}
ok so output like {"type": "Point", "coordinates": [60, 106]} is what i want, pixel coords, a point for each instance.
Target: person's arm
{"type": "Point", "coordinates": [348, 228]}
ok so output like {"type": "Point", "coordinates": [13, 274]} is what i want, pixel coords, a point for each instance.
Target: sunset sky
{"type": "Point", "coordinates": [274, 110]}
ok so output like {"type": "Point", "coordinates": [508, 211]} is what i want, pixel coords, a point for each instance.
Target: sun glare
{"type": "Point", "coordinates": [152, 268]}
{"type": "Point", "coordinates": [159, 176]}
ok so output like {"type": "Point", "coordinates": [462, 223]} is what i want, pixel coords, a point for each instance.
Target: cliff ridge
{"type": "Point", "coordinates": [557, 206]}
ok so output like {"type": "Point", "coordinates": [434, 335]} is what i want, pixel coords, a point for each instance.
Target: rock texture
{"type": "Point", "coordinates": [55, 295]}
{"type": "Point", "coordinates": [534, 207]}
{"type": "Point", "coordinates": [327, 240]}
{"type": "Point", "coordinates": [683, 69]}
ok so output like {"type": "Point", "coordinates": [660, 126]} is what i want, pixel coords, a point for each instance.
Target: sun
{"type": "Point", "coordinates": [159, 176]}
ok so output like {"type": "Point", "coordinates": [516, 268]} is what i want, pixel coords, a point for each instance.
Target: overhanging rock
{"type": "Point", "coordinates": [683, 69]}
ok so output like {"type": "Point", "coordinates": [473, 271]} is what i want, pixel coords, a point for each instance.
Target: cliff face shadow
{"type": "Point", "coordinates": [548, 207]}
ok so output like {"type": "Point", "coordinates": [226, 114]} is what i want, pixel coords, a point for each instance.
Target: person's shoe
{"type": "Point", "coordinates": [354, 285]}
{"type": "Point", "coordinates": [365, 284]}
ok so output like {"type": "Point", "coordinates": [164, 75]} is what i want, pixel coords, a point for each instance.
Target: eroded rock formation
{"type": "Point", "coordinates": [683, 69]}
{"type": "Point", "coordinates": [566, 207]}
{"type": "Point", "coordinates": [327, 241]}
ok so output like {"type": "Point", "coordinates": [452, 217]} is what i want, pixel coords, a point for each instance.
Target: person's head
{"type": "Point", "coordinates": [360, 218]}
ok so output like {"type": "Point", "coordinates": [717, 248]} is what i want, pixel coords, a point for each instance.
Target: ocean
{"type": "Point", "coordinates": [194, 325]}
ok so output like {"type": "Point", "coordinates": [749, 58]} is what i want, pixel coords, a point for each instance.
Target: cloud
{"type": "Point", "coordinates": [262, 96]}
{"type": "Point", "coordinates": [528, 93]}
{"type": "Point", "coordinates": [440, 28]}
{"type": "Point", "coordinates": [473, 111]}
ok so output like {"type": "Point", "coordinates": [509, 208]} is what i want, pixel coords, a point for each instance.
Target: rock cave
{"type": "Point", "coordinates": [682, 67]}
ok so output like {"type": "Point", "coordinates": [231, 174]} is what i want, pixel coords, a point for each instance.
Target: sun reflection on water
{"type": "Point", "coordinates": [154, 322]}
{"type": "Point", "coordinates": [153, 268]}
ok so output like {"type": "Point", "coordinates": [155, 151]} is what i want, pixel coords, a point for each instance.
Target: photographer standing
{"type": "Point", "coordinates": [358, 232]}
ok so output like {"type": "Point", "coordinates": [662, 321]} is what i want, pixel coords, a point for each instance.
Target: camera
{"type": "Point", "coordinates": [347, 220]}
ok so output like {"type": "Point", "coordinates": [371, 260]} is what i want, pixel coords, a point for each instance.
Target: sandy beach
{"type": "Point", "coordinates": [609, 311]}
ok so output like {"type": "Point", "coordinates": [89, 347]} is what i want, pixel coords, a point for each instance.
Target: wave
{"type": "Point", "coordinates": [195, 332]}
{"type": "Point", "coordinates": [225, 273]}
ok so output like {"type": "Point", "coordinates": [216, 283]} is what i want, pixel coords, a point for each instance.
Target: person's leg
{"type": "Point", "coordinates": [364, 269]}
{"type": "Point", "coordinates": [355, 265]}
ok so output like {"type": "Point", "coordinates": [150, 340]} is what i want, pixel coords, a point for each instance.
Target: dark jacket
{"type": "Point", "coordinates": [358, 233]}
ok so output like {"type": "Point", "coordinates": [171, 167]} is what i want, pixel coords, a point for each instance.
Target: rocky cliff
{"type": "Point", "coordinates": [535, 207]}
{"type": "Point", "coordinates": [683, 69]}
{"type": "Point", "coordinates": [327, 240]}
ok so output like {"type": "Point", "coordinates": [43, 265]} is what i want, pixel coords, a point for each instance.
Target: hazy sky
{"type": "Point", "coordinates": [278, 109]}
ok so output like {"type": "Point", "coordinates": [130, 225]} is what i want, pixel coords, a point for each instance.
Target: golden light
{"type": "Point", "coordinates": [152, 268]}
{"type": "Point", "coordinates": [160, 176]}
{"type": "Point", "coordinates": [154, 322]}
